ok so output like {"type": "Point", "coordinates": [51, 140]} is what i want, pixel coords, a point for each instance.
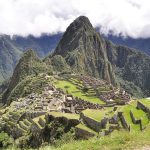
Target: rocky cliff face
{"type": "Point", "coordinates": [85, 51]}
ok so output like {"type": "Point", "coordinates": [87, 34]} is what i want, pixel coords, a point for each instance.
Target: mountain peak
{"type": "Point", "coordinates": [78, 31]}
{"type": "Point", "coordinates": [84, 50]}
{"type": "Point", "coordinates": [81, 21]}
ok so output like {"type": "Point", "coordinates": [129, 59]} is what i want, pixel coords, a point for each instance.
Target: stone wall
{"type": "Point", "coordinates": [31, 115]}
{"type": "Point", "coordinates": [83, 134]}
{"type": "Point", "coordinates": [144, 108]}
{"type": "Point", "coordinates": [96, 126]}
{"type": "Point", "coordinates": [123, 121]}
{"type": "Point", "coordinates": [134, 120]}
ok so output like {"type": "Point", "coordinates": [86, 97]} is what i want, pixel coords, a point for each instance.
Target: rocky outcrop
{"type": "Point", "coordinates": [84, 50]}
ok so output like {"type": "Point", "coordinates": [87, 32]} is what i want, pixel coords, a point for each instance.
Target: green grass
{"type": "Point", "coordinates": [36, 120]}
{"type": "Point", "coordinates": [67, 115]}
{"type": "Point", "coordinates": [145, 102]}
{"type": "Point", "coordinates": [98, 115]}
{"type": "Point", "coordinates": [26, 122]}
{"type": "Point", "coordinates": [126, 113]}
{"type": "Point", "coordinates": [118, 140]}
{"type": "Point", "coordinates": [139, 114]}
{"type": "Point", "coordinates": [76, 92]}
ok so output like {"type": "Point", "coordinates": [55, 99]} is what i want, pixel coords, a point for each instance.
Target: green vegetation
{"type": "Point", "coordinates": [126, 113]}
{"type": "Point", "coordinates": [67, 115]}
{"type": "Point", "coordinates": [146, 102]}
{"type": "Point", "coordinates": [36, 120]}
{"type": "Point", "coordinates": [29, 65]}
{"type": "Point", "coordinates": [5, 140]}
{"type": "Point", "coordinates": [29, 85]}
{"type": "Point", "coordinates": [98, 115]}
{"type": "Point", "coordinates": [59, 64]}
{"type": "Point", "coordinates": [118, 140]}
{"type": "Point", "coordinates": [76, 92]}
{"type": "Point", "coordinates": [140, 114]}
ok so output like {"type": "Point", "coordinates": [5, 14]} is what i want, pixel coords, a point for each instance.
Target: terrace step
{"type": "Point", "coordinates": [23, 126]}
{"type": "Point", "coordinates": [36, 121]}
{"type": "Point", "coordinates": [11, 123]}
{"type": "Point", "coordinates": [82, 131]}
{"type": "Point", "coordinates": [27, 122]}
{"type": "Point", "coordinates": [42, 121]}
{"type": "Point", "coordinates": [21, 129]}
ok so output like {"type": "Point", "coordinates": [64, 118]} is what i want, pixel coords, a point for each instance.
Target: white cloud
{"type": "Point", "coordinates": [125, 17]}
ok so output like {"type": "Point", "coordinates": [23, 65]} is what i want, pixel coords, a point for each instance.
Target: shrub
{"type": "Point", "coordinates": [5, 139]}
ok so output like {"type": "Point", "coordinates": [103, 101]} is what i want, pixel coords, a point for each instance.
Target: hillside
{"type": "Point", "coordinates": [9, 55]}
{"type": "Point", "coordinates": [29, 64]}
{"type": "Point", "coordinates": [11, 50]}
{"type": "Point", "coordinates": [87, 52]}
{"type": "Point", "coordinates": [79, 95]}
{"type": "Point", "coordinates": [141, 44]}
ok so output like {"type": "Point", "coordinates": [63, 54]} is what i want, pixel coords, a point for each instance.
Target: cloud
{"type": "Point", "coordinates": [120, 17]}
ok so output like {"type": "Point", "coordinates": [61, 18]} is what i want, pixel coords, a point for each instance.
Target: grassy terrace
{"type": "Point", "coordinates": [126, 113]}
{"type": "Point", "coordinates": [84, 127]}
{"type": "Point", "coordinates": [139, 114]}
{"type": "Point", "coordinates": [146, 102]}
{"type": "Point", "coordinates": [67, 115]}
{"type": "Point", "coordinates": [98, 115]}
{"type": "Point", "coordinates": [36, 120]}
{"type": "Point", "coordinates": [76, 92]}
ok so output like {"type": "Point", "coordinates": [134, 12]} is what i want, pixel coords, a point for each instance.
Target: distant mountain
{"type": "Point", "coordinates": [87, 52]}
{"type": "Point", "coordinates": [139, 43]}
{"type": "Point", "coordinates": [42, 45]}
{"type": "Point", "coordinates": [9, 55]}
{"type": "Point", "coordinates": [11, 50]}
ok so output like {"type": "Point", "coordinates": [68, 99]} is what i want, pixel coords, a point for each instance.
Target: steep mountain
{"type": "Point", "coordinates": [11, 50]}
{"type": "Point", "coordinates": [139, 43]}
{"type": "Point", "coordinates": [131, 67]}
{"type": "Point", "coordinates": [85, 51]}
{"type": "Point", "coordinates": [28, 65]}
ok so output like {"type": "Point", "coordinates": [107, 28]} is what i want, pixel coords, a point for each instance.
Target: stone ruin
{"type": "Point", "coordinates": [76, 105]}
{"type": "Point", "coordinates": [109, 96]}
